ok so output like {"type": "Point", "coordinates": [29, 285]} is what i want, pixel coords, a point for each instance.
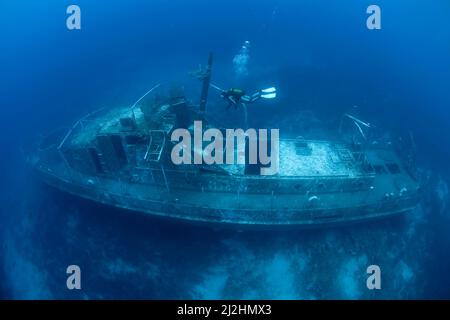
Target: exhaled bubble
{"type": "Point", "coordinates": [240, 61]}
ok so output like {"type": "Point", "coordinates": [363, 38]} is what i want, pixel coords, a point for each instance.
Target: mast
{"type": "Point", "coordinates": [206, 81]}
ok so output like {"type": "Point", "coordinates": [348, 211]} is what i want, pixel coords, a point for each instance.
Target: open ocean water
{"type": "Point", "coordinates": [322, 59]}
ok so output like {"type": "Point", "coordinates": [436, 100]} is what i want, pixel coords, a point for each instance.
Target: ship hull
{"type": "Point", "coordinates": [237, 218]}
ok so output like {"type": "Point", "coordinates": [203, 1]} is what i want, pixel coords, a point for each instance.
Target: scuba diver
{"type": "Point", "coordinates": [236, 96]}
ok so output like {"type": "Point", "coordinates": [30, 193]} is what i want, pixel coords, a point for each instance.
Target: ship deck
{"type": "Point", "coordinates": [316, 158]}
{"type": "Point", "coordinates": [311, 158]}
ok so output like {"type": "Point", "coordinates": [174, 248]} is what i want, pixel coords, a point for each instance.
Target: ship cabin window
{"type": "Point", "coordinates": [393, 168]}
{"type": "Point", "coordinates": [379, 169]}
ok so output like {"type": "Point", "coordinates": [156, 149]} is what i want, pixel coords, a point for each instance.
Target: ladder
{"type": "Point", "coordinates": [155, 146]}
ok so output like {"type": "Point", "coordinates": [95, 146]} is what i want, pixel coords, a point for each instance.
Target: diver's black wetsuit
{"type": "Point", "coordinates": [236, 96]}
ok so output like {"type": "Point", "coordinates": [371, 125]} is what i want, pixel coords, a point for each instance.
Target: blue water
{"type": "Point", "coordinates": [320, 56]}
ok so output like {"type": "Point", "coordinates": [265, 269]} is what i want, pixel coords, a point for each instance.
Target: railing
{"type": "Point", "coordinates": [79, 122]}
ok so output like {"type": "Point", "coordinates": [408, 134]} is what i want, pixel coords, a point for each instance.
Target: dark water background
{"type": "Point", "coordinates": [321, 57]}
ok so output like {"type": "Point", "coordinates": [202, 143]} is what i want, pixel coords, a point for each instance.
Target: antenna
{"type": "Point", "coordinates": [139, 100]}
{"type": "Point", "coordinates": [206, 77]}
